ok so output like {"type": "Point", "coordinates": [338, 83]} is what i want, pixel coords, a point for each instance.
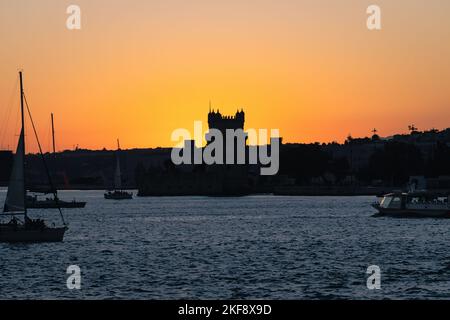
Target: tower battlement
{"type": "Point", "coordinates": [218, 121]}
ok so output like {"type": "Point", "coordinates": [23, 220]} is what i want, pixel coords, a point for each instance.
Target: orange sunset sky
{"type": "Point", "coordinates": [138, 69]}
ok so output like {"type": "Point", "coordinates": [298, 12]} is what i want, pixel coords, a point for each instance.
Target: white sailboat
{"type": "Point", "coordinates": [28, 230]}
{"type": "Point", "coordinates": [118, 193]}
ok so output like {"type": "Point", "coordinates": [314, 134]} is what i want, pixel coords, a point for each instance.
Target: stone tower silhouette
{"type": "Point", "coordinates": [217, 121]}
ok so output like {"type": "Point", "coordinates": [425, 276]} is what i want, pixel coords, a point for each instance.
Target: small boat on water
{"type": "Point", "coordinates": [33, 202]}
{"type": "Point", "coordinates": [414, 204]}
{"type": "Point", "coordinates": [117, 193]}
{"type": "Point", "coordinates": [26, 230]}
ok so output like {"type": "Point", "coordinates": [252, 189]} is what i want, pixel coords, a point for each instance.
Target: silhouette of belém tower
{"type": "Point", "coordinates": [220, 122]}
{"type": "Point", "coordinates": [213, 180]}
{"type": "Point", "coordinates": [217, 121]}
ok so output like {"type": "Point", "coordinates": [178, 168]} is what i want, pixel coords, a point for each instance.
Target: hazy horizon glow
{"type": "Point", "coordinates": [140, 69]}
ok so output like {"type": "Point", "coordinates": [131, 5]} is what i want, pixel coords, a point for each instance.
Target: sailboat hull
{"type": "Point", "coordinates": [33, 203]}
{"type": "Point", "coordinates": [22, 234]}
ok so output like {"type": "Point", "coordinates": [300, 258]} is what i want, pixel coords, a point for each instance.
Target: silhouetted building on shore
{"type": "Point", "coordinates": [202, 179]}
{"type": "Point", "coordinates": [217, 121]}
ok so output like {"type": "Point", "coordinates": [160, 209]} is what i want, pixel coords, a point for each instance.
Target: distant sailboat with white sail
{"type": "Point", "coordinates": [118, 193]}
{"type": "Point", "coordinates": [26, 230]}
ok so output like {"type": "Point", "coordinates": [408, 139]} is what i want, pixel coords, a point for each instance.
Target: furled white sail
{"type": "Point", "coordinates": [15, 198]}
{"type": "Point", "coordinates": [117, 176]}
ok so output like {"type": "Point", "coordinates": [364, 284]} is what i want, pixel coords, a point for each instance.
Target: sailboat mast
{"type": "Point", "coordinates": [22, 114]}
{"type": "Point", "coordinates": [53, 136]}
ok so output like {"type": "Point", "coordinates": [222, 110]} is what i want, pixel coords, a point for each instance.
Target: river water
{"type": "Point", "coordinates": [256, 247]}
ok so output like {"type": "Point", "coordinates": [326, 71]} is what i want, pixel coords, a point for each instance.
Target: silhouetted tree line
{"type": "Point", "coordinates": [391, 165]}
{"type": "Point", "coordinates": [398, 161]}
{"type": "Point", "coordinates": [304, 162]}
{"type": "Point", "coordinates": [394, 164]}
{"type": "Point", "coordinates": [6, 160]}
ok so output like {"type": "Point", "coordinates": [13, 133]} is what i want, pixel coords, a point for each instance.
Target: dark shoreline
{"type": "Point", "coordinates": [315, 191]}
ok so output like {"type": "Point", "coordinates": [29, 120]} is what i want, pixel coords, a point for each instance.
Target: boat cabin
{"type": "Point", "coordinates": [415, 200]}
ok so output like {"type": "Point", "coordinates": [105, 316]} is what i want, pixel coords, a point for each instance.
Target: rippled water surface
{"type": "Point", "coordinates": [235, 248]}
